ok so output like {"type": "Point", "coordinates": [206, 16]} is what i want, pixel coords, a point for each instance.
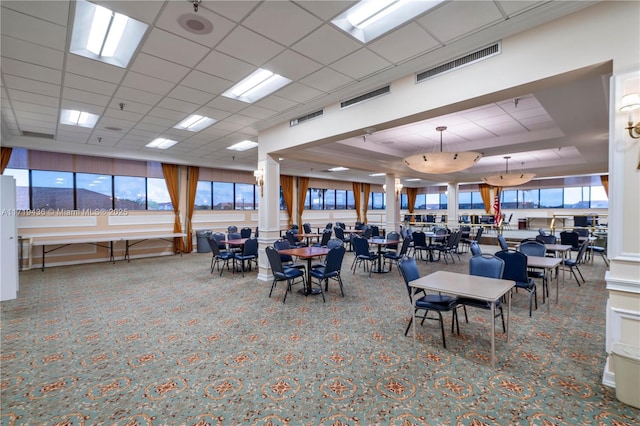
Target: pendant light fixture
{"type": "Point", "coordinates": [507, 179]}
{"type": "Point", "coordinates": [440, 161]}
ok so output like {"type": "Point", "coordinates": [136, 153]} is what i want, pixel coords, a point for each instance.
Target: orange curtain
{"type": "Point", "coordinates": [412, 194]}
{"type": "Point", "coordinates": [485, 193]}
{"type": "Point", "coordinates": [357, 199]}
{"type": "Point", "coordinates": [191, 201]}
{"type": "Point", "coordinates": [366, 189]}
{"type": "Point", "coordinates": [5, 155]}
{"type": "Point", "coordinates": [287, 193]}
{"type": "Point", "coordinates": [303, 185]}
{"type": "Point", "coordinates": [170, 172]}
{"type": "Point", "coordinates": [605, 183]}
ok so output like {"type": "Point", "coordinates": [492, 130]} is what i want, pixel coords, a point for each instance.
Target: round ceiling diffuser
{"type": "Point", "coordinates": [195, 24]}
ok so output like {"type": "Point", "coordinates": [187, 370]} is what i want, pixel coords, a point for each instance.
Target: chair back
{"type": "Point", "coordinates": [509, 220]}
{"type": "Point", "coordinates": [335, 242]}
{"type": "Point", "coordinates": [465, 231]}
{"type": "Point", "coordinates": [334, 260]}
{"type": "Point", "coordinates": [329, 226]}
{"type": "Point", "coordinates": [441, 231]}
{"type": "Point", "coordinates": [409, 271]}
{"type": "Point", "coordinates": [213, 243]}
{"type": "Point", "coordinates": [283, 245]}
{"type": "Point", "coordinates": [581, 251]}
{"type": "Point", "coordinates": [515, 265]}
{"type": "Point", "coordinates": [393, 236]}
{"type": "Point", "coordinates": [339, 232]}
{"type": "Point", "coordinates": [502, 242]}
{"type": "Point", "coordinates": [274, 261]}
{"type": "Point", "coordinates": [541, 232]}
{"type": "Point", "coordinates": [232, 228]}
{"type": "Point", "coordinates": [250, 247]}
{"type": "Point", "coordinates": [546, 239]}
{"type": "Point", "coordinates": [326, 236]}
{"type": "Point", "coordinates": [291, 238]}
{"type": "Point", "coordinates": [359, 226]}
{"type": "Point", "coordinates": [479, 234]}
{"type": "Point", "coordinates": [367, 232]}
{"type": "Point", "coordinates": [375, 231]}
{"type": "Point", "coordinates": [486, 265]}
{"type": "Point", "coordinates": [341, 225]}
{"type": "Point", "coordinates": [582, 232]}
{"type": "Point", "coordinates": [219, 236]}
{"type": "Point", "coordinates": [570, 238]}
{"type": "Point", "coordinates": [419, 239]}
{"type": "Point", "coordinates": [307, 228]}
{"type": "Point", "coordinates": [245, 233]}
{"type": "Point", "coordinates": [533, 248]}
{"type": "Point", "coordinates": [406, 243]}
{"type": "Point", "coordinates": [360, 246]}
{"type": "Point", "coordinates": [475, 248]}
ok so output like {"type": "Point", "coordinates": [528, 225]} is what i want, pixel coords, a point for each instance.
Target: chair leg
{"type": "Point", "coordinates": [409, 326]}
{"type": "Point", "coordinates": [444, 342]}
{"type": "Point", "coordinates": [578, 269]}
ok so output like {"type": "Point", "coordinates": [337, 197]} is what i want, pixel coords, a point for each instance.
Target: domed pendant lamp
{"type": "Point", "coordinates": [442, 162]}
{"type": "Point", "coordinates": [507, 179]}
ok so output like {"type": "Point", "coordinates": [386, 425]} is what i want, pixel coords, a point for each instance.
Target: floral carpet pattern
{"type": "Point", "coordinates": [162, 341]}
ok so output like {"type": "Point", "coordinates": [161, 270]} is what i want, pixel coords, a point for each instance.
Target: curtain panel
{"type": "Point", "coordinates": [366, 189]}
{"type": "Point", "coordinates": [605, 183]}
{"type": "Point", "coordinates": [5, 155]}
{"type": "Point", "coordinates": [357, 199]}
{"type": "Point", "coordinates": [412, 194]}
{"type": "Point", "coordinates": [170, 172]}
{"type": "Point", "coordinates": [286, 182]}
{"type": "Point", "coordinates": [192, 180]}
{"type": "Point", "coordinates": [485, 193]}
{"type": "Point", "coordinates": [303, 185]}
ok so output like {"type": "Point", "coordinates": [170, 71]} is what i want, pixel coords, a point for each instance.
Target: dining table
{"type": "Point", "coordinates": [472, 286]}
{"type": "Point", "coordinates": [548, 264]}
{"type": "Point", "coordinates": [382, 242]}
{"type": "Point", "coordinates": [307, 253]}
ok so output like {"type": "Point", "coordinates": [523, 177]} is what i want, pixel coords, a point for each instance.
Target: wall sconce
{"type": "Point", "coordinates": [259, 175]}
{"type": "Point", "coordinates": [629, 103]}
{"type": "Point", "coordinates": [398, 188]}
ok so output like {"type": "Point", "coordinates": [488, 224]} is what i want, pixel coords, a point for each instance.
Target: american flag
{"type": "Point", "coordinates": [496, 208]}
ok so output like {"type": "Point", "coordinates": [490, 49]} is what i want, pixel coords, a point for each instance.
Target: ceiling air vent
{"type": "Point", "coordinates": [476, 56]}
{"type": "Point", "coordinates": [365, 97]}
{"type": "Point", "coordinates": [37, 135]}
{"type": "Point", "coordinates": [304, 118]}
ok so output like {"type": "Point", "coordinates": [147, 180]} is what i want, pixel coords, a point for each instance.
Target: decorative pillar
{"type": "Point", "coordinates": [268, 213]}
{"type": "Point", "coordinates": [452, 205]}
{"type": "Point", "coordinates": [393, 189]}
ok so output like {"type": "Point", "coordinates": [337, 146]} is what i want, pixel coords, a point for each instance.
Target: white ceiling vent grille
{"type": "Point", "coordinates": [471, 58]}
{"type": "Point", "coordinates": [365, 97]}
{"type": "Point", "coordinates": [37, 135]}
{"type": "Point", "coordinates": [304, 118]}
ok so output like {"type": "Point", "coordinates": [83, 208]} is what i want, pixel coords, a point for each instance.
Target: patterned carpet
{"type": "Point", "coordinates": [161, 341]}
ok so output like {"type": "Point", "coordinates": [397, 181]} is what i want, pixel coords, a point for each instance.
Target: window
{"type": "Point", "coordinates": [94, 191]}
{"type": "Point", "coordinates": [22, 186]}
{"type": "Point", "coordinates": [404, 201]}
{"type": "Point", "coordinates": [576, 198]}
{"type": "Point", "coordinates": [464, 200]}
{"type": "Point", "coordinates": [222, 196]}
{"type": "Point", "coordinates": [377, 201]}
{"type": "Point", "coordinates": [315, 199]}
{"type": "Point", "coordinates": [550, 198]}
{"type": "Point", "coordinates": [341, 200]}
{"type": "Point", "coordinates": [203, 199]}
{"type": "Point", "coordinates": [244, 196]}
{"type": "Point", "coordinates": [509, 199]}
{"type": "Point", "coordinates": [329, 199]}
{"type": "Point", "coordinates": [421, 202]}
{"type": "Point", "coordinates": [433, 202]}
{"type": "Point", "coordinates": [130, 192]}
{"type": "Point", "coordinates": [529, 199]}
{"type": "Point", "coordinates": [158, 195]}
{"type": "Point", "coordinates": [52, 190]}
{"type": "Point", "coordinates": [443, 201]}
{"type": "Point", "coordinates": [599, 198]}
{"type": "Point", "coordinates": [351, 202]}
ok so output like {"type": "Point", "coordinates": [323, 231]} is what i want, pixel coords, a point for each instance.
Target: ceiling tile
{"type": "Point", "coordinates": [159, 68]}
{"type": "Point", "coordinates": [326, 10]}
{"type": "Point", "coordinates": [141, 10]}
{"type": "Point", "coordinates": [227, 104]}
{"type": "Point", "coordinates": [276, 103]}
{"type": "Point", "coordinates": [190, 95]}
{"type": "Point", "coordinates": [326, 80]}
{"type": "Point", "coordinates": [168, 114]}
{"type": "Point", "coordinates": [147, 83]}
{"type": "Point", "coordinates": [95, 69]}
{"type": "Point", "coordinates": [360, 64]}
{"type": "Point", "coordinates": [178, 105]}
{"type": "Point", "coordinates": [281, 21]}
{"type": "Point", "coordinates": [176, 12]}
{"type": "Point", "coordinates": [28, 85]}
{"type": "Point", "coordinates": [249, 46]}
{"type": "Point", "coordinates": [404, 43]}
{"type": "Point", "coordinates": [206, 82]}
{"type": "Point", "coordinates": [299, 92]}
{"type": "Point", "coordinates": [292, 65]}
{"type": "Point", "coordinates": [75, 95]}
{"type": "Point", "coordinates": [468, 16]}
{"type": "Point", "coordinates": [56, 12]}
{"type": "Point", "coordinates": [32, 53]}
{"type": "Point", "coordinates": [88, 84]}
{"type": "Point", "coordinates": [40, 109]}
{"type": "Point", "coordinates": [32, 98]}
{"type": "Point", "coordinates": [316, 45]}
{"type": "Point", "coordinates": [31, 71]}
{"type": "Point", "coordinates": [173, 48]}
{"type": "Point", "coordinates": [28, 28]}
{"type": "Point", "coordinates": [140, 96]}
{"type": "Point", "coordinates": [234, 10]}
{"type": "Point", "coordinates": [221, 65]}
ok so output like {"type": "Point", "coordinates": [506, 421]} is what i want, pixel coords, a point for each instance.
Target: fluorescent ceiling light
{"type": "Point", "coordinates": [338, 169]}
{"type": "Point", "coordinates": [161, 143]}
{"type": "Point", "coordinates": [257, 85]}
{"type": "Point", "coordinates": [377, 174]}
{"type": "Point", "coordinates": [412, 180]}
{"type": "Point", "coordinates": [101, 34]}
{"type": "Point", "coordinates": [195, 123]}
{"type": "Point", "coordinates": [243, 146]}
{"type": "Point", "coordinates": [370, 19]}
{"type": "Point", "coordinates": [78, 118]}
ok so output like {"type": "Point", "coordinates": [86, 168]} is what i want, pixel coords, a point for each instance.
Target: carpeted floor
{"type": "Point", "coordinates": [162, 341]}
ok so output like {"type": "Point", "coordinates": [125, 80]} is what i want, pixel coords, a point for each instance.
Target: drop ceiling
{"type": "Point", "coordinates": [179, 70]}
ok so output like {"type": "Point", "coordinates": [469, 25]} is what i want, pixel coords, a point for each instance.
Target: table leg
{"type": "Point", "coordinates": [493, 334]}
{"type": "Point", "coordinates": [508, 312]}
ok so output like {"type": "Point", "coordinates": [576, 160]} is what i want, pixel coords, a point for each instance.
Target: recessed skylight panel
{"type": "Point", "coordinates": [256, 86]}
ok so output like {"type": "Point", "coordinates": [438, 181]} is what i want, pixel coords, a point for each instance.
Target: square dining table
{"type": "Point", "coordinates": [307, 253]}
{"type": "Point", "coordinates": [472, 286]}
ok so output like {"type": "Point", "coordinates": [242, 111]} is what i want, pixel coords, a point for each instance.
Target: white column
{"type": "Point", "coordinates": [452, 205]}
{"type": "Point", "coordinates": [393, 204]}
{"type": "Point", "coordinates": [268, 213]}
{"type": "Point", "coordinates": [623, 245]}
